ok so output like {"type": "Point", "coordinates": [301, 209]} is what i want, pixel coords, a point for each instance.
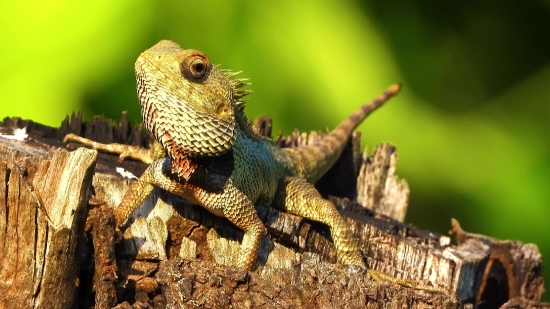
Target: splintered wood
{"type": "Point", "coordinates": [60, 248]}
{"type": "Point", "coordinates": [42, 213]}
{"type": "Point", "coordinates": [378, 187]}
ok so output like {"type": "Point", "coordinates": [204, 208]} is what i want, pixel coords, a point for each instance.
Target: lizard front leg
{"type": "Point", "coordinates": [145, 155]}
{"type": "Point", "coordinates": [154, 176]}
{"type": "Point", "coordinates": [140, 189]}
{"type": "Point", "coordinates": [234, 205]}
{"type": "Point", "coordinates": [230, 203]}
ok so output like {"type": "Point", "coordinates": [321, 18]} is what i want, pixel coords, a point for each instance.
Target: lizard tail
{"type": "Point", "coordinates": [314, 160]}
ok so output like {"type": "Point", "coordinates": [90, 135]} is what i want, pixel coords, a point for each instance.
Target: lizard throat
{"type": "Point", "coordinates": [181, 128]}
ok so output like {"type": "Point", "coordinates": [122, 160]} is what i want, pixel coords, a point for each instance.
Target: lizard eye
{"type": "Point", "coordinates": [195, 66]}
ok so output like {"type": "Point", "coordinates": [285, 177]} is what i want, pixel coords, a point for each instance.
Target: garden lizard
{"type": "Point", "coordinates": [206, 151]}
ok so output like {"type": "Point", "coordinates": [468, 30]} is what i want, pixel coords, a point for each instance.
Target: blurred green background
{"type": "Point", "coordinates": [470, 125]}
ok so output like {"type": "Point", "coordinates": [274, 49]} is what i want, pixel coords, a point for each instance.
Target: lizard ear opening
{"type": "Point", "coordinates": [195, 67]}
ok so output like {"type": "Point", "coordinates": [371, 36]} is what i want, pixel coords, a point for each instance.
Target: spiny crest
{"type": "Point", "coordinates": [244, 123]}
{"type": "Point", "coordinates": [237, 84]}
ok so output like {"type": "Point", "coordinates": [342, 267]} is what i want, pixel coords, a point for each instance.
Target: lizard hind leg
{"type": "Point", "coordinates": [300, 198]}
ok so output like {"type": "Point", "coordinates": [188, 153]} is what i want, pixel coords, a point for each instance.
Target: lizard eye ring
{"type": "Point", "coordinates": [195, 66]}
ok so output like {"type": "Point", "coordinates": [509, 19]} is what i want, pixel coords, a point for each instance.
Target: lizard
{"type": "Point", "coordinates": [206, 151]}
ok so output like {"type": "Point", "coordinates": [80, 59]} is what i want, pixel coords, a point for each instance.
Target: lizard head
{"type": "Point", "coordinates": [187, 103]}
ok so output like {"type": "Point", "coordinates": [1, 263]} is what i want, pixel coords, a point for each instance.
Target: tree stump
{"type": "Point", "coordinates": [60, 248]}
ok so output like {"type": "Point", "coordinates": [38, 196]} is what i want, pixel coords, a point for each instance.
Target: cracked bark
{"type": "Point", "coordinates": [60, 249]}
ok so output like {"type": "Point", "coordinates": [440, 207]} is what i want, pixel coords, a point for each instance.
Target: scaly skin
{"type": "Point", "coordinates": [215, 159]}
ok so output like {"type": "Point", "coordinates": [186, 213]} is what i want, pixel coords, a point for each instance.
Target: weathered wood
{"type": "Point", "coordinates": [292, 268]}
{"type": "Point", "coordinates": [513, 272]}
{"type": "Point", "coordinates": [202, 284]}
{"type": "Point", "coordinates": [522, 304]}
{"type": "Point", "coordinates": [42, 210]}
{"type": "Point", "coordinates": [105, 268]}
{"type": "Point", "coordinates": [378, 187]}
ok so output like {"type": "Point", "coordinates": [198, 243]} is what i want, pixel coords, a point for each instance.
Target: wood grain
{"type": "Point", "coordinates": [177, 255]}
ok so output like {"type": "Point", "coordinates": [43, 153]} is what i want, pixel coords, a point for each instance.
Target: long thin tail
{"type": "Point", "coordinates": [314, 160]}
